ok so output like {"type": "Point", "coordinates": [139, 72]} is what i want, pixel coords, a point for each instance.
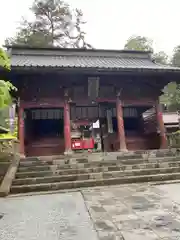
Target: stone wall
{"type": "Point", "coordinates": [9, 161]}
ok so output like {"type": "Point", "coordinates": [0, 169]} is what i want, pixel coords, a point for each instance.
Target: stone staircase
{"type": "Point", "coordinates": [95, 169]}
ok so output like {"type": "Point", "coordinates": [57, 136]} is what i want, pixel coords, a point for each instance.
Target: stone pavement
{"type": "Point", "coordinates": [123, 212]}
{"type": "Point", "coordinates": [135, 212]}
{"type": "Point", "coordinates": [48, 217]}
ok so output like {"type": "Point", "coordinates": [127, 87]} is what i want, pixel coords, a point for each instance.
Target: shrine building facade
{"type": "Point", "coordinates": [64, 92]}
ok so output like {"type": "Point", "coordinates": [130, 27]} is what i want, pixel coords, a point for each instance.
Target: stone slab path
{"type": "Point", "coordinates": [46, 217]}
{"type": "Point", "coordinates": [122, 212]}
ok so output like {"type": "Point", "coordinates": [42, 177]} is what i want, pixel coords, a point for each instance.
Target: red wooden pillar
{"type": "Point", "coordinates": [120, 123]}
{"type": "Point", "coordinates": [21, 130]}
{"type": "Point", "coordinates": [67, 128]}
{"type": "Point", "coordinates": [162, 129]}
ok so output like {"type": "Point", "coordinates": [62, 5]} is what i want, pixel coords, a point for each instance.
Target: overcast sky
{"type": "Point", "coordinates": [111, 22]}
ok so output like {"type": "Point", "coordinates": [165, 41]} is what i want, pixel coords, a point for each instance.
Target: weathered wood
{"type": "Point", "coordinates": [37, 86]}
{"type": "Point", "coordinates": [21, 129]}
{"type": "Point", "coordinates": [120, 123]}
{"type": "Point", "coordinates": [67, 127]}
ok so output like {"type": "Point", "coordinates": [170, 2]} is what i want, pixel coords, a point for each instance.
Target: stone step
{"type": "Point", "coordinates": [76, 162]}
{"type": "Point", "coordinates": [63, 165]}
{"type": "Point", "coordinates": [149, 160]}
{"type": "Point", "coordinates": [92, 182]}
{"type": "Point", "coordinates": [34, 168]}
{"type": "Point", "coordinates": [30, 159]}
{"type": "Point", "coordinates": [130, 156]}
{"type": "Point", "coordinates": [117, 167]}
{"type": "Point", "coordinates": [99, 175]}
{"type": "Point", "coordinates": [73, 161]}
{"type": "Point", "coordinates": [27, 163]}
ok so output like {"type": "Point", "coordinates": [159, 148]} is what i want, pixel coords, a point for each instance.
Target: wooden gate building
{"type": "Point", "coordinates": [57, 87]}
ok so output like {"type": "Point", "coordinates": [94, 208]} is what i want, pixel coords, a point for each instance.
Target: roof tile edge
{"type": "Point", "coordinates": [56, 51]}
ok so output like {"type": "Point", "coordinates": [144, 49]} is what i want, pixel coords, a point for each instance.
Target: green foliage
{"type": "Point", "coordinates": [161, 57]}
{"type": "Point", "coordinates": [27, 35]}
{"type": "Point", "coordinates": [4, 60]}
{"type": "Point", "coordinates": [139, 43]}
{"type": "Point", "coordinates": [145, 44]}
{"type": "Point", "coordinates": [5, 86]}
{"type": "Point", "coordinates": [4, 115]}
{"type": "Point", "coordinates": [171, 96]}
{"type": "Point", "coordinates": [174, 139]}
{"type": "Point", "coordinates": [176, 57]}
{"type": "Point", "coordinates": [5, 100]}
{"type": "Point", "coordinates": [6, 136]}
{"type": "Point", "coordinates": [55, 23]}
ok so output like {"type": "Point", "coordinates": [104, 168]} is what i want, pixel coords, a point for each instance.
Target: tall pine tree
{"type": "Point", "coordinates": [54, 24]}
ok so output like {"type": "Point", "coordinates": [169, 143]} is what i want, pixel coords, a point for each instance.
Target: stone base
{"type": "Point", "coordinates": [125, 150]}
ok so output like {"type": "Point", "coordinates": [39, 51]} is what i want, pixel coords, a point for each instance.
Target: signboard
{"type": "Point", "coordinates": [96, 124]}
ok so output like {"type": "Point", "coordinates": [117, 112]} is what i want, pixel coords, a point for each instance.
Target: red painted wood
{"type": "Point", "coordinates": [46, 146]}
{"type": "Point", "coordinates": [138, 102]}
{"type": "Point", "coordinates": [43, 103]}
{"type": "Point", "coordinates": [131, 102]}
{"type": "Point", "coordinates": [120, 123]}
{"type": "Point", "coordinates": [162, 129]}
{"type": "Point", "coordinates": [133, 142]}
{"type": "Point", "coordinates": [67, 127]}
{"type": "Point", "coordinates": [21, 129]}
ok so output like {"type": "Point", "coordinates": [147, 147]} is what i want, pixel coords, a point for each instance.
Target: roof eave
{"type": "Point", "coordinates": [54, 48]}
{"type": "Point", "coordinates": [174, 70]}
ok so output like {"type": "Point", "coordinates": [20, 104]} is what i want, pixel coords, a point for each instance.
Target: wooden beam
{"type": "Point", "coordinates": [43, 103]}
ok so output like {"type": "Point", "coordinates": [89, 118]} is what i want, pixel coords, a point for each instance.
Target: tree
{"type": "Point", "coordinates": [176, 57]}
{"type": "Point", "coordinates": [161, 57]}
{"type": "Point", "coordinates": [139, 43]}
{"type": "Point", "coordinates": [145, 44]}
{"type": "Point", "coordinates": [28, 35]}
{"type": "Point", "coordinates": [54, 24]}
{"type": "Point", "coordinates": [80, 35]}
{"type": "Point", "coordinates": [5, 86]}
{"type": "Point", "coordinates": [171, 96]}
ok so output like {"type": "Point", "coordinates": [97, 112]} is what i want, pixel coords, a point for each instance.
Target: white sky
{"type": "Point", "coordinates": [111, 22]}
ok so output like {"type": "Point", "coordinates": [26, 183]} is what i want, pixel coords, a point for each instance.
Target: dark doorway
{"type": "Point", "coordinates": [42, 128]}
{"type": "Point", "coordinates": [44, 131]}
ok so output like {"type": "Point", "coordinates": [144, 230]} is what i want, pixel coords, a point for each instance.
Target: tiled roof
{"type": "Point", "coordinates": [71, 58]}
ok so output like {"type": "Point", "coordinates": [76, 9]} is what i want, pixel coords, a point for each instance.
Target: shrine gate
{"type": "Point", "coordinates": [59, 87]}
